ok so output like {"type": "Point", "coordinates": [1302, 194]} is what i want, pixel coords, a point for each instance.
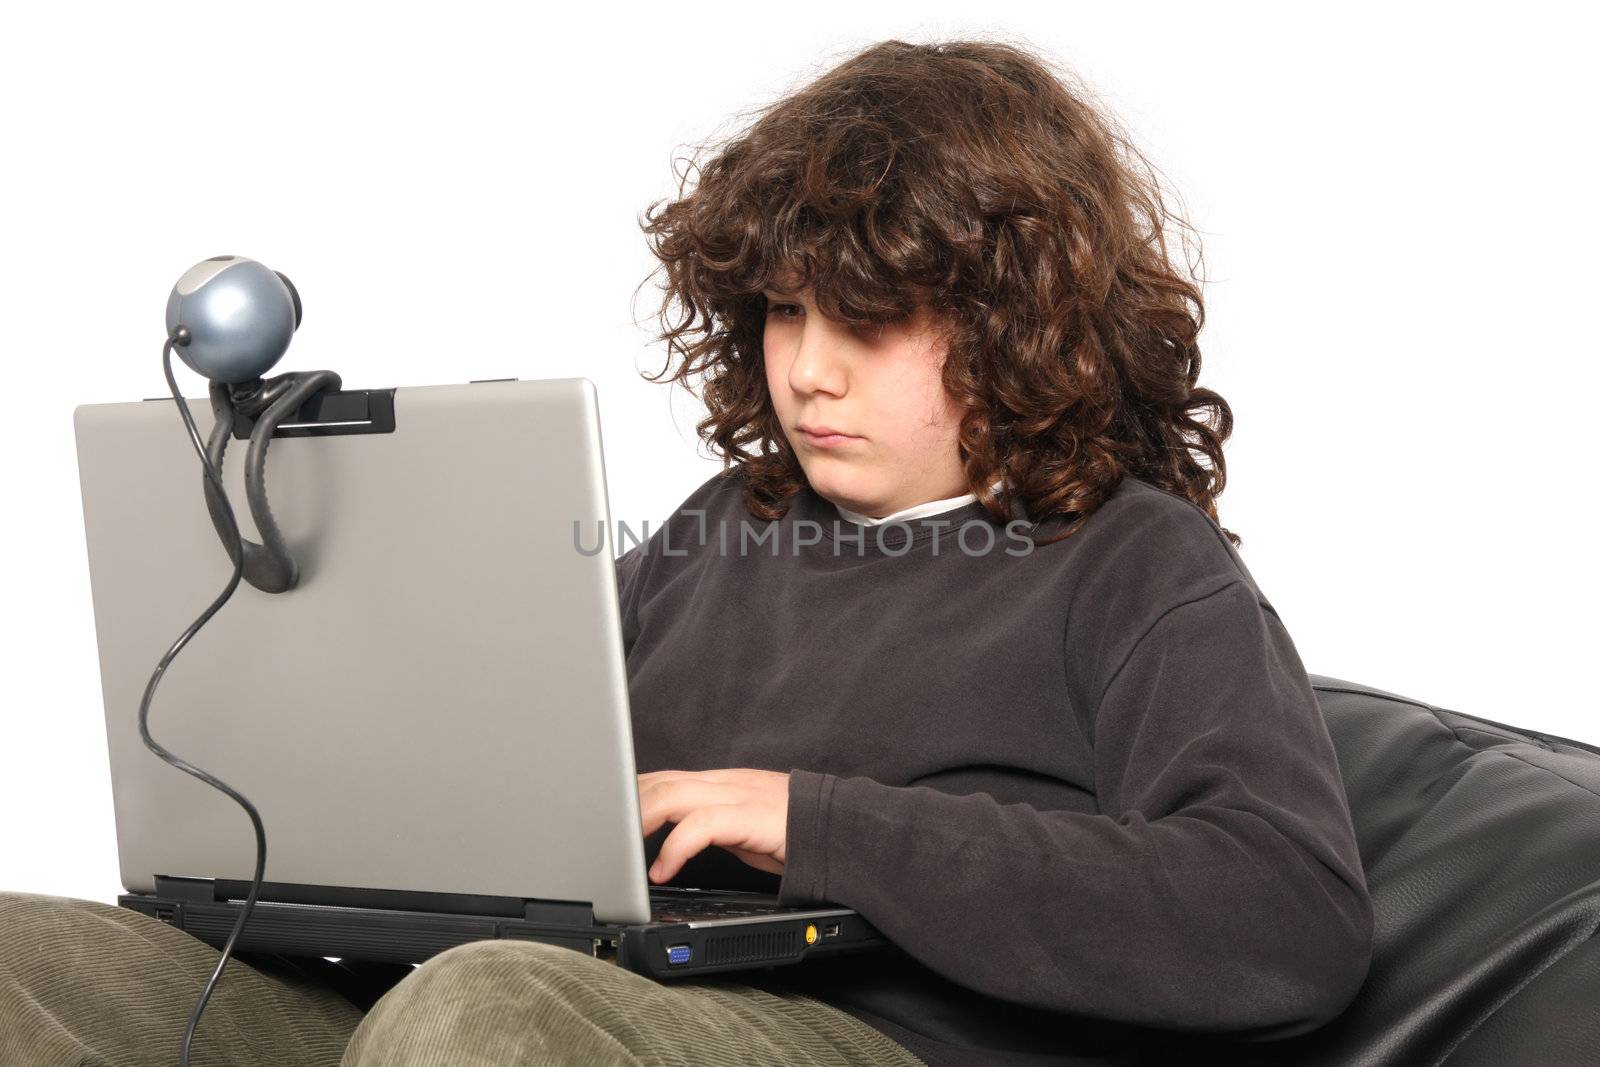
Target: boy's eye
{"type": "Point", "coordinates": [782, 310]}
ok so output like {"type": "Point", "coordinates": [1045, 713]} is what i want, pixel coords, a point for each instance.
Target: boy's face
{"type": "Point", "coordinates": [883, 390]}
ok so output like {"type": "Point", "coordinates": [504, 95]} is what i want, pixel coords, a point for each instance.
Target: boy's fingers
{"type": "Point", "coordinates": [673, 801]}
{"type": "Point", "coordinates": [697, 832]}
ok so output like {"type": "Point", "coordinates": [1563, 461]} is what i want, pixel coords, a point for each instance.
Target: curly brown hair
{"type": "Point", "coordinates": [975, 178]}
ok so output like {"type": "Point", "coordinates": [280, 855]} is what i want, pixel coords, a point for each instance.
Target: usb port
{"type": "Point", "coordinates": [677, 955]}
{"type": "Point", "coordinates": [831, 930]}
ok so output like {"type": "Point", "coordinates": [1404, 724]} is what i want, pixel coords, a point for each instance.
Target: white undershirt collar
{"type": "Point", "coordinates": [915, 511]}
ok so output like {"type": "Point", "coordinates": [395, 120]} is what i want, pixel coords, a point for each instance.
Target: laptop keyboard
{"type": "Point", "coordinates": [674, 911]}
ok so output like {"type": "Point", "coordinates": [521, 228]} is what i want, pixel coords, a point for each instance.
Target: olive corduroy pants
{"type": "Point", "coordinates": [85, 984]}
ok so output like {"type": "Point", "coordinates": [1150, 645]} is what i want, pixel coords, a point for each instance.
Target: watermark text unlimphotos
{"type": "Point", "coordinates": [975, 537]}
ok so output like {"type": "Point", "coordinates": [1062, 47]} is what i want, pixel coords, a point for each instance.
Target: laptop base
{"type": "Point", "coordinates": [393, 928]}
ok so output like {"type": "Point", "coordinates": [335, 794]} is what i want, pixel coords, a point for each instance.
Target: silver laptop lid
{"type": "Point", "coordinates": [440, 705]}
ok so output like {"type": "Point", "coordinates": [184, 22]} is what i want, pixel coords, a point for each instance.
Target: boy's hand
{"type": "Point", "coordinates": [743, 810]}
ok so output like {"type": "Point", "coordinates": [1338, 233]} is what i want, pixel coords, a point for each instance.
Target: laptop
{"type": "Point", "coordinates": [434, 724]}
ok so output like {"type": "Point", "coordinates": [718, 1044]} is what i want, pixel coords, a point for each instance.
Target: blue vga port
{"type": "Point", "coordinates": [677, 955]}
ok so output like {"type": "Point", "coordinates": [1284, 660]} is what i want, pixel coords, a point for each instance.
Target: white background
{"type": "Point", "coordinates": [1396, 214]}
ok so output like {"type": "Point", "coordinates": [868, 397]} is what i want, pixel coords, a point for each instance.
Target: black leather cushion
{"type": "Point", "coordinates": [1481, 845]}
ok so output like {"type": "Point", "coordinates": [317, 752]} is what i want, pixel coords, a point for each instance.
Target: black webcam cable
{"type": "Point", "coordinates": [235, 545]}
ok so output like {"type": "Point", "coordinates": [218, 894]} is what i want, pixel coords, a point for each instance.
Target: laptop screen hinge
{"type": "Point", "coordinates": [192, 890]}
{"type": "Point", "coordinates": [558, 912]}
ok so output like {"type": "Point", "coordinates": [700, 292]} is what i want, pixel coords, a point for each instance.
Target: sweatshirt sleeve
{"type": "Point", "coordinates": [1218, 890]}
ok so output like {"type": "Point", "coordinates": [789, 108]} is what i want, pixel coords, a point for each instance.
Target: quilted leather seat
{"type": "Point", "coordinates": [1481, 845]}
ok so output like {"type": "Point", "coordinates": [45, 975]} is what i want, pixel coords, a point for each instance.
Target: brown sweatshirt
{"type": "Point", "coordinates": [1084, 788]}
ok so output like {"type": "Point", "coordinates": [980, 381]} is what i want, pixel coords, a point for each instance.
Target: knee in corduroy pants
{"type": "Point", "coordinates": [498, 1004]}
{"type": "Point", "coordinates": [87, 984]}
